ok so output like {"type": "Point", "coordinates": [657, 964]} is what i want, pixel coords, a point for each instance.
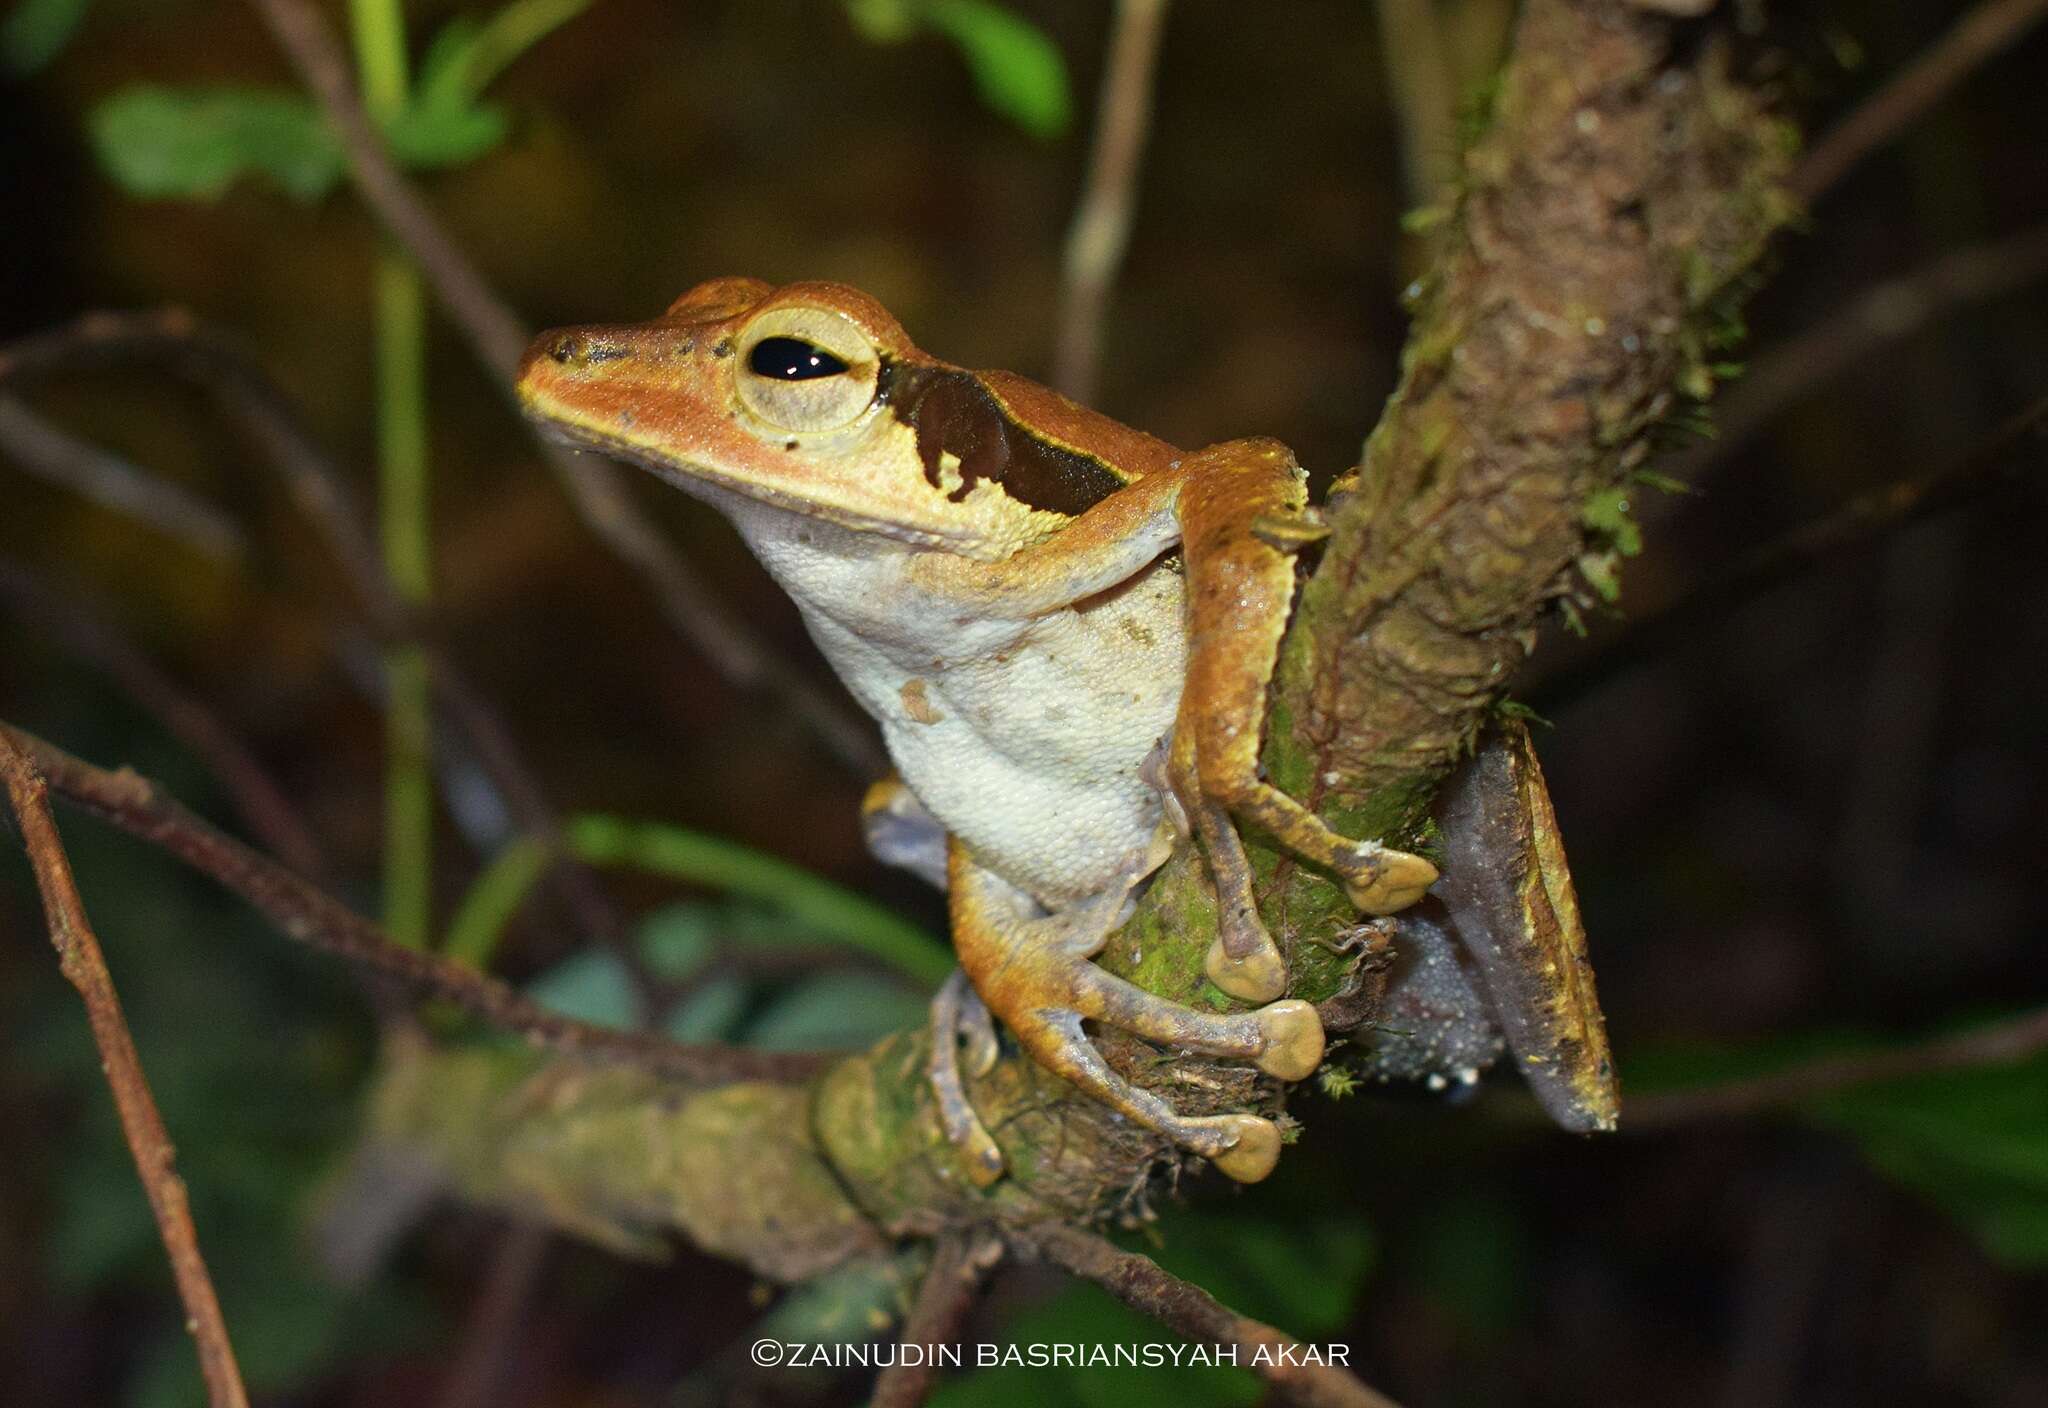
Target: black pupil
{"type": "Point", "coordinates": [788, 359]}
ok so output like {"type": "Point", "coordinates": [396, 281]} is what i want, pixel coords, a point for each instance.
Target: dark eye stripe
{"type": "Point", "coordinates": [789, 359]}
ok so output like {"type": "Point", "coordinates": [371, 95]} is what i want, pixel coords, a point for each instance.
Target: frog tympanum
{"type": "Point", "coordinates": [1064, 627]}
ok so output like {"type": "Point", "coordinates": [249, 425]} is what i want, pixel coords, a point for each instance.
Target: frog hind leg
{"type": "Point", "coordinates": [1034, 972]}
{"type": "Point", "coordinates": [1243, 510]}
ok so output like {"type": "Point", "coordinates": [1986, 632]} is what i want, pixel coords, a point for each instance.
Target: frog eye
{"type": "Point", "coordinates": [805, 369]}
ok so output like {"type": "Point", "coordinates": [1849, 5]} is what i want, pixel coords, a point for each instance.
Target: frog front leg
{"type": "Point", "coordinates": [1035, 971]}
{"type": "Point", "coordinates": [1243, 510]}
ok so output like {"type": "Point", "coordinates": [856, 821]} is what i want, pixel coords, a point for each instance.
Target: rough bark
{"type": "Point", "coordinates": [1625, 185]}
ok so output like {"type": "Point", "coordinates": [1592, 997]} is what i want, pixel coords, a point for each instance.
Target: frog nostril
{"type": "Point", "coordinates": [568, 348]}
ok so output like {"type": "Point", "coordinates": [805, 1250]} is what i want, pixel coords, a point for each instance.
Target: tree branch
{"type": "Point", "coordinates": [1187, 1309]}
{"type": "Point", "coordinates": [78, 953]}
{"type": "Point", "coordinates": [1999, 1044]}
{"type": "Point", "coordinates": [311, 916]}
{"type": "Point", "coordinates": [262, 802]}
{"type": "Point", "coordinates": [1989, 463]}
{"type": "Point", "coordinates": [106, 479]}
{"type": "Point", "coordinates": [952, 1284]}
{"type": "Point", "coordinates": [1101, 230]}
{"type": "Point", "coordinates": [289, 448]}
{"type": "Point", "coordinates": [1980, 35]}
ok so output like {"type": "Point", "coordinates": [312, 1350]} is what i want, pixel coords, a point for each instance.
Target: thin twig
{"type": "Point", "coordinates": [1418, 76]}
{"type": "Point", "coordinates": [1880, 316]}
{"type": "Point", "coordinates": [1987, 464]}
{"type": "Point", "coordinates": [1187, 1309]}
{"type": "Point", "coordinates": [499, 339]}
{"type": "Point", "coordinates": [78, 953]}
{"type": "Point", "coordinates": [1101, 232]}
{"type": "Point", "coordinates": [107, 479]}
{"type": "Point", "coordinates": [952, 1284]}
{"type": "Point", "coordinates": [477, 1372]}
{"type": "Point", "coordinates": [1980, 35]}
{"type": "Point", "coordinates": [310, 915]}
{"type": "Point", "coordinates": [262, 409]}
{"type": "Point", "coordinates": [86, 634]}
{"type": "Point", "coordinates": [1999, 1044]}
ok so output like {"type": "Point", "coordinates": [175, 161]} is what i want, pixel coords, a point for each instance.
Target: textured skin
{"type": "Point", "coordinates": [1025, 738]}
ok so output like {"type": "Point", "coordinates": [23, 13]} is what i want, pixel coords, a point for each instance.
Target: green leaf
{"type": "Point", "coordinates": [839, 1010]}
{"type": "Point", "coordinates": [591, 986]}
{"type": "Point", "coordinates": [847, 1305]}
{"type": "Point", "coordinates": [193, 144]}
{"type": "Point", "coordinates": [445, 121]}
{"type": "Point", "coordinates": [1017, 69]}
{"type": "Point", "coordinates": [493, 899]}
{"type": "Point", "coordinates": [711, 1013]}
{"type": "Point", "coordinates": [1974, 1142]}
{"type": "Point", "coordinates": [36, 31]}
{"type": "Point", "coordinates": [677, 940]}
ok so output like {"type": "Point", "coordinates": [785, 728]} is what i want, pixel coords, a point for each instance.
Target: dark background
{"type": "Point", "coordinates": [1817, 814]}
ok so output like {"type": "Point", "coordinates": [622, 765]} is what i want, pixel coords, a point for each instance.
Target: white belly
{"type": "Point", "coordinates": [1024, 739]}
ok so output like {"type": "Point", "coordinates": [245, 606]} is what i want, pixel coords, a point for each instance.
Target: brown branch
{"type": "Point", "coordinates": [497, 336]}
{"type": "Point", "coordinates": [83, 632]}
{"type": "Point", "coordinates": [1887, 313]}
{"type": "Point", "coordinates": [1101, 231]}
{"type": "Point", "coordinates": [1978, 36]}
{"type": "Point", "coordinates": [478, 1368]}
{"type": "Point", "coordinates": [78, 953]}
{"type": "Point", "coordinates": [1999, 1044]}
{"type": "Point", "coordinates": [112, 482]}
{"type": "Point", "coordinates": [952, 1285]}
{"type": "Point", "coordinates": [1188, 1310]}
{"type": "Point", "coordinates": [263, 410]}
{"type": "Point", "coordinates": [1990, 463]}
{"type": "Point", "coordinates": [308, 914]}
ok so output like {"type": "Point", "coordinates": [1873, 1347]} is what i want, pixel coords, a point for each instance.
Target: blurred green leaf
{"type": "Point", "coordinates": [1974, 1142]}
{"type": "Point", "coordinates": [711, 1013]}
{"type": "Point", "coordinates": [591, 986]}
{"type": "Point", "coordinates": [36, 31]}
{"type": "Point", "coordinates": [493, 899]}
{"type": "Point", "coordinates": [677, 940]}
{"type": "Point", "coordinates": [836, 1010]}
{"type": "Point", "coordinates": [848, 1305]}
{"type": "Point", "coordinates": [1017, 69]}
{"type": "Point", "coordinates": [194, 143]}
{"type": "Point", "coordinates": [446, 121]}
{"type": "Point", "coordinates": [1472, 1254]}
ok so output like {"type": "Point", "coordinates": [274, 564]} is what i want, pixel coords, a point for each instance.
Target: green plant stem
{"type": "Point", "coordinates": [718, 864]}
{"type": "Point", "coordinates": [402, 510]}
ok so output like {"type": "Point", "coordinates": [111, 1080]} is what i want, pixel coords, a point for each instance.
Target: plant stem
{"type": "Point", "coordinates": [402, 510]}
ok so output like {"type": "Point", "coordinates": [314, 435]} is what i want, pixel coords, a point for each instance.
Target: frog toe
{"type": "Point", "coordinates": [1254, 1147]}
{"type": "Point", "coordinates": [1260, 976]}
{"type": "Point", "coordinates": [1386, 881]}
{"type": "Point", "coordinates": [1293, 1039]}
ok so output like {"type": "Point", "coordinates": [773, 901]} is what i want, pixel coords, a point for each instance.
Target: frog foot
{"type": "Point", "coordinates": [1035, 973]}
{"type": "Point", "coordinates": [957, 1013]}
{"type": "Point", "coordinates": [1379, 880]}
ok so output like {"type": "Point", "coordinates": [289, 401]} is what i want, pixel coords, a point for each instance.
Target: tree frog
{"type": "Point", "coordinates": [1064, 627]}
